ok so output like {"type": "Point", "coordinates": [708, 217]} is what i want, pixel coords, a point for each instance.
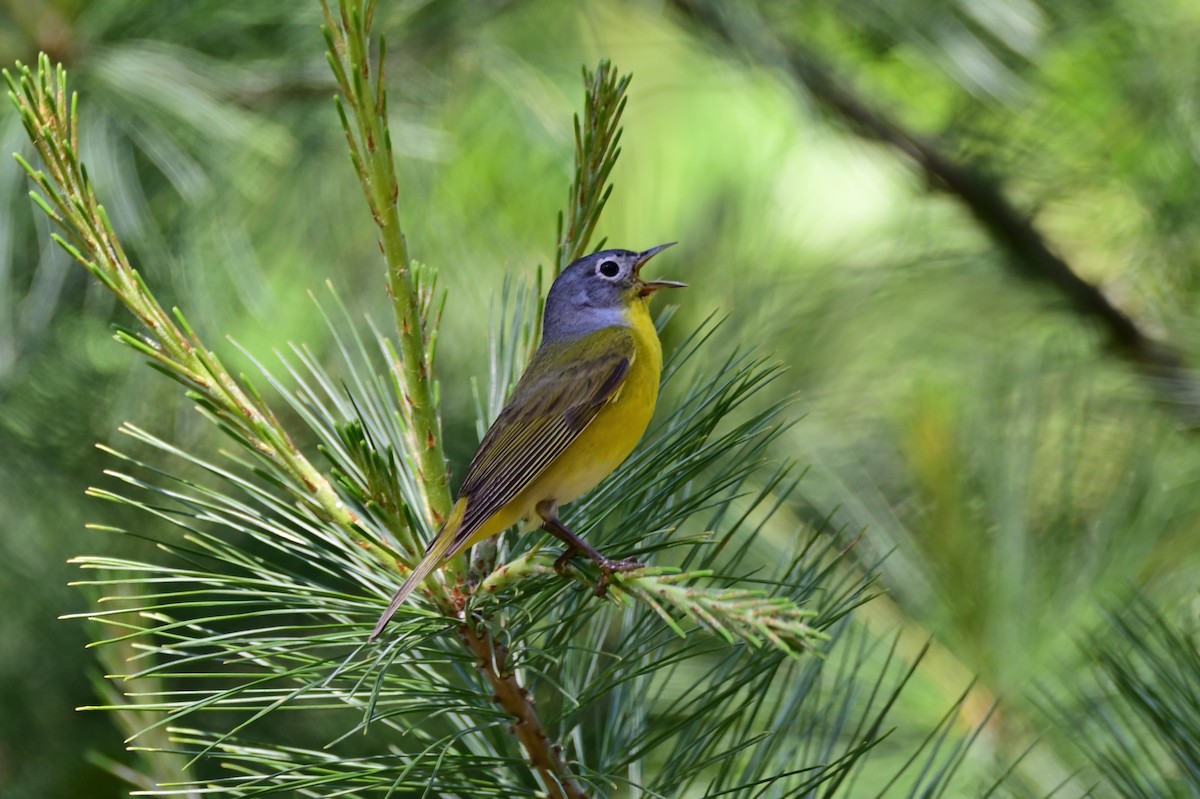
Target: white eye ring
{"type": "Point", "coordinates": [608, 269]}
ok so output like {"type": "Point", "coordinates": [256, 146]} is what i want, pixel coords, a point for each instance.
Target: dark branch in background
{"type": "Point", "coordinates": [1030, 255]}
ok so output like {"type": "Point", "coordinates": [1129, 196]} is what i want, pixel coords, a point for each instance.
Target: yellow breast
{"type": "Point", "coordinates": [617, 428]}
{"type": "Point", "coordinates": [604, 443]}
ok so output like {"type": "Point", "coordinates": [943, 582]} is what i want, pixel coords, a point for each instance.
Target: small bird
{"type": "Point", "coordinates": [577, 412]}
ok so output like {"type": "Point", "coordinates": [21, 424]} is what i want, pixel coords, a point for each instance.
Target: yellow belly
{"type": "Point", "coordinates": [603, 445]}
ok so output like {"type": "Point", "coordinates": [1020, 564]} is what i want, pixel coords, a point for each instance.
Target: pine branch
{"type": "Point", "coordinates": [245, 579]}
{"type": "Point", "coordinates": [362, 108]}
{"type": "Point", "coordinates": [597, 141]}
{"type": "Point", "coordinates": [50, 117]}
{"type": "Point", "coordinates": [545, 756]}
{"type": "Point", "coordinates": [750, 616]}
{"type": "Point", "coordinates": [69, 200]}
{"type": "Point", "coordinates": [735, 614]}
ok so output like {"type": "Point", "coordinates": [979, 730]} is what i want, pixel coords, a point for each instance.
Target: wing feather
{"type": "Point", "coordinates": [551, 405]}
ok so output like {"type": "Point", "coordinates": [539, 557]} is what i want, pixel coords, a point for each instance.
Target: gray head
{"type": "Point", "coordinates": [595, 291]}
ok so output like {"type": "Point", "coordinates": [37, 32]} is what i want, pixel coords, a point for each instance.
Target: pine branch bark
{"type": "Point", "coordinates": [545, 756]}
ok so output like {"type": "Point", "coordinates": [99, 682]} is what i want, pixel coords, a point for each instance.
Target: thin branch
{"type": "Point", "coordinates": [362, 107]}
{"type": "Point", "coordinates": [735, 614]}
{"type": "Point", "coordinates": [544, 756]}
{"type": "Point", "coordinates": [67, 198]}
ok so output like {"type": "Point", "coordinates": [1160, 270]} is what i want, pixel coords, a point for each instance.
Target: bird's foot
{"type": "Point", "coordinates": [560, 564]}
{"type": "Point", "coordinates": [607, 566]}
{"type": "Point", "coordinates": [610, 567]}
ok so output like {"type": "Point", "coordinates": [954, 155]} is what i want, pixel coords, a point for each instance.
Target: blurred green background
{"type": "Point", "coordinates": [1006, 471]}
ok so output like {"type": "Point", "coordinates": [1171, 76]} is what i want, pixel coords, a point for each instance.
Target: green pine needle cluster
{"type": "Point", "coordinates": [1135, 715]}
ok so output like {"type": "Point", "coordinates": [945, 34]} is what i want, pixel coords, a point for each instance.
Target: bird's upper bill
{"type": "Point", "coordinates": [648, 287]}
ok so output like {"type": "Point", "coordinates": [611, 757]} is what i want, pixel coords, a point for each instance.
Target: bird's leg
{"type": "Point", "coordinates": [560, 563]}
{"type": "Point", "coordinates": [550, 523]}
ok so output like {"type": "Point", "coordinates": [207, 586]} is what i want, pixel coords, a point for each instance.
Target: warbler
{"type": "Point", "coordinates": [577, 412]}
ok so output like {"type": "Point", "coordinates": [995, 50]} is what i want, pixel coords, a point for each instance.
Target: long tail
{"type": "Point", "coordinates": [434, 554]}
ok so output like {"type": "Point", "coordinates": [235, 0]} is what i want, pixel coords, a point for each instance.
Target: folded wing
{"type": "Point", "coordinates": [555, 400]}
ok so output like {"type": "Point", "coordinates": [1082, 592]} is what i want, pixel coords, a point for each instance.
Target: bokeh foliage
{"type": "Point", "coordinates": [972, 427]}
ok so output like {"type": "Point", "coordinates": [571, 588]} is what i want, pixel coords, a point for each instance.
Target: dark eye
{"type": "Point", "coordinates": [610, 269]}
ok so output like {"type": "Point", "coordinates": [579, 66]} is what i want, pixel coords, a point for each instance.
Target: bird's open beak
{"type": "Point", "coordinates": [648, 287]}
